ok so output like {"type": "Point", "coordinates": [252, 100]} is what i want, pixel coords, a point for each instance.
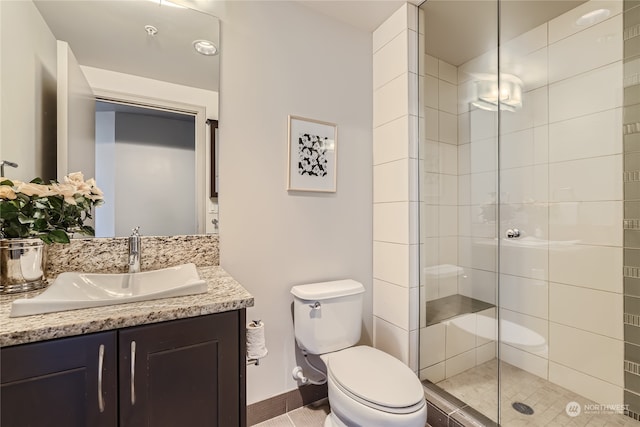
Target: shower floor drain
{"type": "Point", "coordinates": [523, 408]}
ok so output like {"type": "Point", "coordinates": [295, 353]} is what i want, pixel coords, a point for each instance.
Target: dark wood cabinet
{"type": "Point", "coordinates": [66, 382]}
{"type": "Point", "coordinates": [187, 372]}
{"type": "Point", "coordinates": [182, 373]}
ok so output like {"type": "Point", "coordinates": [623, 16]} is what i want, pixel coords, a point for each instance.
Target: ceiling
{"type": "Point", "coordinates": [111, 35]}
{"type": "Point", "coordinates": [459, 30]}
{"type": "Point", "coordinates": [365, 15]}
{"type": "Point", "coordinates": [456, 30]}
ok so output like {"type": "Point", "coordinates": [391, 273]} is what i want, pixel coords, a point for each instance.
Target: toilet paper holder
{"type": "Point", "coordinates": [254, 361]}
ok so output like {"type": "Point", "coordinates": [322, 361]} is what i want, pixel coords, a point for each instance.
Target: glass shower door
{"type": "Point", "coordinates": [529, 166]}
{"type": "Point", "coordinates": [459, 199]}
{"type": "Point", "coordinates": [561, 213]}
{"type": "Point", "coordinates": [524, 231]}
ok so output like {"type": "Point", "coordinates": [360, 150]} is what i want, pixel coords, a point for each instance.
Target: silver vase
{"type": "Point", "coordinates": [22, 265]}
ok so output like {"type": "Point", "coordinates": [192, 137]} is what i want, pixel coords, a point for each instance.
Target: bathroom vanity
{"type": "Point", "coordinates": [168, 362]}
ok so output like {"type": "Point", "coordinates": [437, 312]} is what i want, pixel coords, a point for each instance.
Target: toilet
{"type": "Point", "coordinates": [367, 387]}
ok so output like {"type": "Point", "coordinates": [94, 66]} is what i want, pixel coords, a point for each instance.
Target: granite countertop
{"type": "Point", "coordinates": [224, 294]}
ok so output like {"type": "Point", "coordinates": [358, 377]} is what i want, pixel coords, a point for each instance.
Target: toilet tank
{"type": "Point", "coordinates": [327, 316]}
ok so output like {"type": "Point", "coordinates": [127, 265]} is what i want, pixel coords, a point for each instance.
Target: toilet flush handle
{"type": "Point", "coordinates": [316, 305]}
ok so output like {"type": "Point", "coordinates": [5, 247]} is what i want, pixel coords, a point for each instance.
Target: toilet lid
{"type": "Point", "coordinates": [375, 377]}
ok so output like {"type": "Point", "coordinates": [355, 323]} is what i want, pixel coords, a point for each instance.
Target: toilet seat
{"type": "Point", "coordinates": [376, 379]}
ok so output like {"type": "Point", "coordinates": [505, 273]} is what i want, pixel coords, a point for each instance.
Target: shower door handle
{"type": "Point", "coordinates": [512, 233]}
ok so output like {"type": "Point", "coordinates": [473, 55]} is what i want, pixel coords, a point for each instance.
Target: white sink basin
{"type": "Point", "coordinates": [71, 291]}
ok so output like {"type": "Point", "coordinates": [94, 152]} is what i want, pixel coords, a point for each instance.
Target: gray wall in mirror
{"type": "Point", "coordinates": [120, 61]}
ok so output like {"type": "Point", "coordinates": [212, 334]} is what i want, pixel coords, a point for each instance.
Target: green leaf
{"type": "Point", "coordinates": [42, 203]}
{"type": "Point", "coordinates": [13, 230]}
{"type": "Point", "coordinates": [24, 219]}
{"type": "Point", "coordinates": [56, 202]}
{"type": "Point", "coordinates": [8, 210]}
{"type": "Point", "coordinates": [37, 181]}
{"type": "Point", "coordinates": [7, 182]}
{"type": "Point", "coordinates": [58, 236]}
{"type": "Point", "coordinates": [45, 238]}
{"type": "Point", "coordinates": [23, 198]}
{"type": "Point", "coordinates": [40, 225]}
{"type": "Point", "coordinates": [88, 230]}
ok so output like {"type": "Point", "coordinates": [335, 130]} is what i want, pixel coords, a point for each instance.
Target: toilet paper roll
{"type": "Point", "coordinates": [256, 348]}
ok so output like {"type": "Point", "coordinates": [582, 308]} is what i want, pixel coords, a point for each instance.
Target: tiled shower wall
{"type": "Point", "coordinates": [439, 189]}
{"type": "Point", "coordinates": [455, 345]}
{"type": "Point", "coordinates": [395, 190]}
{"type": "Point", "coordinates": [632, 207]}
{"type": "Point", "coordinates": [560, 176]}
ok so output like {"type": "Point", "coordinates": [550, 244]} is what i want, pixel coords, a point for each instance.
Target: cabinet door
{"type": "Point", "coordinates": [67, 382]}
{"type": "Point", "coordinates": [184, 372]}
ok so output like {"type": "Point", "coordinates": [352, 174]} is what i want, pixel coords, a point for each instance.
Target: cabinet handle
{"type": "Point", "coordinates": [133, 372]}
{"type": "Point", "coordinates": [100, 365]}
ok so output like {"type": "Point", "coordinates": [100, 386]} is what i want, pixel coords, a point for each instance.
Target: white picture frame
{"type": "Point", "coordinates": [312, 155]}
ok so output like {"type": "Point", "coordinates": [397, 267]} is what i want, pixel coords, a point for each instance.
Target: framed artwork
{"type": "Point", "coordinates": [312, 155]}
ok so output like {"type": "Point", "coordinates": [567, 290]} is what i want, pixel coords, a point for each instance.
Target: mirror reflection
{"type": "Point", "coordinates": [132, 54]}
{"type": "Point", "coordinates": [138, 148]}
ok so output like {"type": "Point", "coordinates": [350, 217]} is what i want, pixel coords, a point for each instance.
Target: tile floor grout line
{"type": "Point", "coordinates": [290, 420]}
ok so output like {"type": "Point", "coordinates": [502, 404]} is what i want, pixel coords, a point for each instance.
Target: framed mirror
{"type": "Point", "coordinates": [137, 53]}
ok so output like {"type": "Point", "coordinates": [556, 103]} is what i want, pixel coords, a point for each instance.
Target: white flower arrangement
{"type": "Point", "coordinates": [48, 211]}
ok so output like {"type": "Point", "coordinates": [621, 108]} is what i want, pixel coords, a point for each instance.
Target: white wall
{"type": "Point", "coordinates": [106, 151]}
{"type": "Point", "coordinates": [76, 118]}
{"type": "Point", "coordinates": [28, 102]}
{"type": "Point", "coordinates": [148, 150]}
{"type": "Point", "coordinates": [395, 195]}
{"type": "Point", "coordinates": [281, 58]}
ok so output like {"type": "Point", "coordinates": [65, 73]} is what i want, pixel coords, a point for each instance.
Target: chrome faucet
{"type": "Point", "coordinates": [134, 251]}
{"type": "Point", "coordinates": [4, 163]}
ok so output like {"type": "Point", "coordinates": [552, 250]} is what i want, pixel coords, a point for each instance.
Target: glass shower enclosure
{"type": "Point", "coordinates": [530, 208]}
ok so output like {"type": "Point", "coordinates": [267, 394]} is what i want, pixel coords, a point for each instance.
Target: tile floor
{"type": "Point", "coordinates": [478, 388]}
{"type": "Point", "coordinates": [307, 416]}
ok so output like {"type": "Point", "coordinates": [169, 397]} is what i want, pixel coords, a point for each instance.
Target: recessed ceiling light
{"type": "Point", "coordinates": [592, 17]}
{"type": "Point", "coordinates": [205, 47]}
